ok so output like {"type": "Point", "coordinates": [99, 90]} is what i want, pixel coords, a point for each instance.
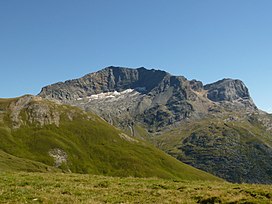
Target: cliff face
{"type": "Point", "coordinates": [107, 80]}
{"type": "Point", "coordinates": [124, 96]}
{"type": "Point", "coordinates": [154, 98]}
{"type": "Point", "coordinates": [227, 90]}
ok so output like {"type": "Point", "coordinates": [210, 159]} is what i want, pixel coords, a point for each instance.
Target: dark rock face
{"type": "Point", "coordinates": [156, 94]}
{"type": "Point", "coordinates": [107, 80]}
{"type": "Point", "coordinates": [227, 90]}
{"type": "Point", "coordinates": [196, 85]}
{"type": "Point", "coordinates": [154, 98]}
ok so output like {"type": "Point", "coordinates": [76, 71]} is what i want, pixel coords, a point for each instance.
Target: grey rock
{"type": "Point", "coordinates": [59, 155]}
{"type": "Point", "coordinates": [106, 80]}
{"type": "Point", "coordinates": [158, 99]}
{"type": "Point", "coordinates": [227, 90]}
{"type": "Point", "coordinates": [155, 93]}
{"type": "Point", "coordinates": [27, 109]}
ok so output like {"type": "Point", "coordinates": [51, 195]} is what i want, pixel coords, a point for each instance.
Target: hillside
{"type": "Point", "coordinates": [227, 135]}
{"type": "Point", "coordinates": [11, 163]}
{"type": "Point", "coordinates": [236, 150]}
{"type": "Point", "coordinates": [41, 135]}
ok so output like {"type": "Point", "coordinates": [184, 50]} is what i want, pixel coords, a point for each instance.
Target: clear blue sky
{"type": "Point", "coordinates": [43, 42]}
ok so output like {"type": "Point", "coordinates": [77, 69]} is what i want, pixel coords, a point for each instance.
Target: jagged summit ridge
{"type": "Point", "coordinates": [144, 80]}
{"type": "Point", "coordinates": [157, 99]}
{"type": "Point", "coordinates": [108, 79]}
{"type": "Point", "coordinates": [157, 94]}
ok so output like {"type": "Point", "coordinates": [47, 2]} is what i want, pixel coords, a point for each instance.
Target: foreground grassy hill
{"type": "Point", "coordinates": [82, 188]}
{"type": "Point", "coordinates": [40, 135]}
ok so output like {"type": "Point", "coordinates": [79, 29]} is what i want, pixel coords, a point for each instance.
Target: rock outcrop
{"type": "Point", "coordinates": [229, 90]}
{"type": "Point", "coordinates": [25, 110]}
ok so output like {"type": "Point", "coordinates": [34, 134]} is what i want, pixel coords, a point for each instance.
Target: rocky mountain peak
{"type": "Point", "coordinates": [108, 79]}
{"type": "Point", "coordinates": [227, 90]}
{"type": "Point", "coordinates": [155, 98]}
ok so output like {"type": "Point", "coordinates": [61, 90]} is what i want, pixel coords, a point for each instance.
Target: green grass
{"type": "Point", "coordinates": [92, 146]}
{"type": "Point", "coordinates": [11, 163]}
{"type": "Point", "coordinates": [82, 188]}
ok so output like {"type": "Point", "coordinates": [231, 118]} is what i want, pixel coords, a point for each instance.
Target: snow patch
{"type": "Point", "coordinates": [115, 95]}
{"type": "Point", "coordinates": [106, 95]}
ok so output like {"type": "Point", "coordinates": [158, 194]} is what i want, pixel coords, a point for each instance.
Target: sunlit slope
{"type": "Point", "coordinates": [75, 141]}
{"type": "Point", "coordinates": [11, 163]}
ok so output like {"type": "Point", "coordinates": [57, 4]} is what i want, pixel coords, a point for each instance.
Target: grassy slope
{"type": "Point", "coordinates": [238, 151]}
{"type": "Point", "coordinates": [93, 146]}
{"type": "Point", "coordinates": [78, 188]}
{"type": "Point", "coordinates": [11, 163]}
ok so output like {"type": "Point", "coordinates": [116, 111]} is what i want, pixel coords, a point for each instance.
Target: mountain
{"type": "Point", "coordinates": [41, 135]}
{"type": "Point", "coordinates": [153, 98]}
{"type": "Point", "coordinates": [214, 127]}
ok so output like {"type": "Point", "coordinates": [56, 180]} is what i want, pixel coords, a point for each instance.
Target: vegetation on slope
{"type": "Point", "coordinates": [237, 150]}
{"type": "Point", "coordinates": [68, 138]}
{"type": "Point", "coordinates": [11, 163]}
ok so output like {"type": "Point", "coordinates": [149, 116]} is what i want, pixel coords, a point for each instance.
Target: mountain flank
{"type": "Point", "coordinates": [228, 135]}
{"type": "Point", "coordinates": [40, 135]}
{"type": "Point", "coordinates": [154, 98]}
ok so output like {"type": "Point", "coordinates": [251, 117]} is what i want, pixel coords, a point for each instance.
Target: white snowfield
{"type": "Point", "coordinates": [106, 95]}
